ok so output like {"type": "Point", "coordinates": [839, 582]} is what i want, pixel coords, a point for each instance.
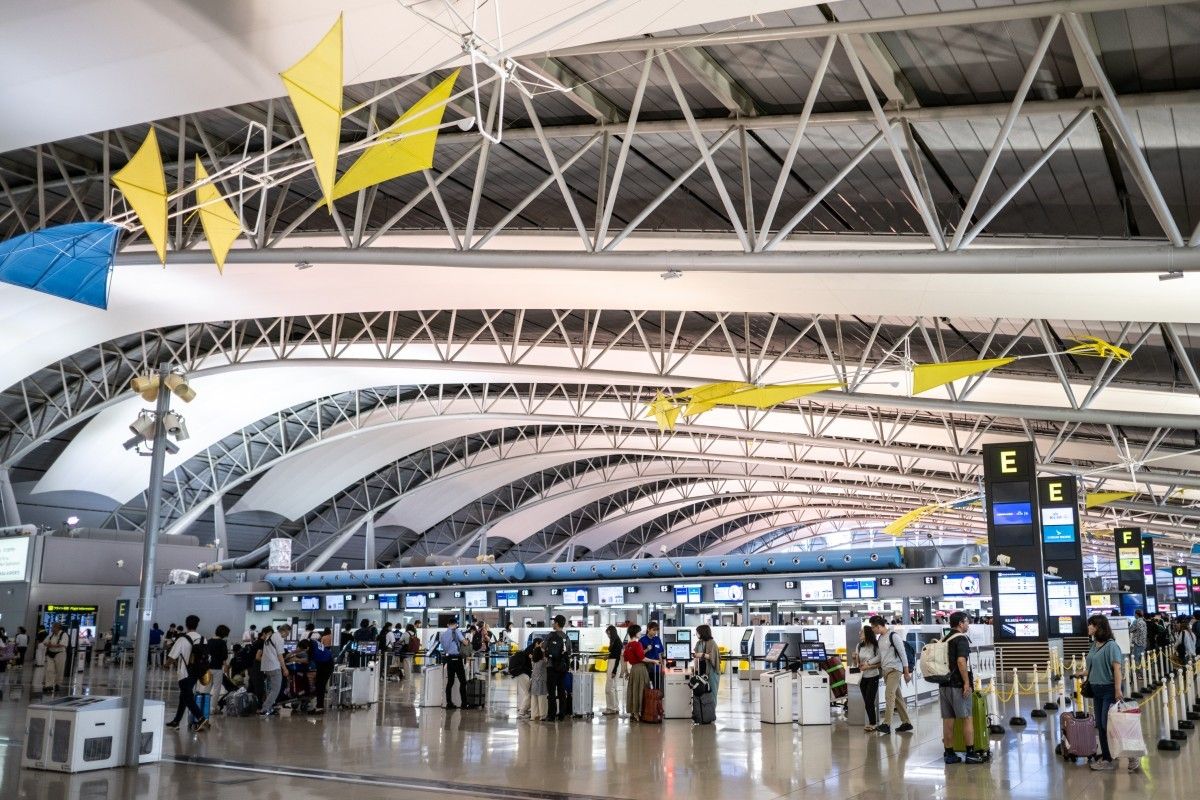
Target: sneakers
{"type": "Point", "coordinates": [868, 728]}
{"type": "Point", "coordinates": [199, 726]}
{"type": "Point", "coordinates": [1100, 765]}
{"type": "Point", "coordinates": [904, 728]}
{"type": "Point", "coordinates": [451, 707]}
{"type": "Point", "coordinates": [951, 757]}
{"type": "Point", "coordinates": [607, 713]}
{"type": "Point", "coordinates": [1135, 764]}
{"type": "Point", "coordinates": [173, 725]}
{"type": "Point", "coordinates": [974, 757]}
{"type": "Point", "coordinates": [885, 729]}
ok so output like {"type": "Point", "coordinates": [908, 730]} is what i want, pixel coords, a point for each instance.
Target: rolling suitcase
{"type": "Point", "coordinates": [1079, 738]}
{"type": "Point", "coordinates": [475, 693]}
{"type": "Point", "coordinates": [652, 703]}
{"type": "Point", "coordinates": [704, 708]}
{"type": "Point", "coordinates": [977, 728]}
{"type": "Point", "coordinates": [583, 695]}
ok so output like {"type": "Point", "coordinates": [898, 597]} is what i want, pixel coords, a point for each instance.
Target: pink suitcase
{"type": "Point", "coordinates": [1079, 738]}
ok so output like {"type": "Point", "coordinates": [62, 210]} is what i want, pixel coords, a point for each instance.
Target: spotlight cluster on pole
{"type": "Point", "coordinates": [145, 426]}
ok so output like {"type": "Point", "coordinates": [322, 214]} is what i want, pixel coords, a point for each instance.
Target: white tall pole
{"type": "Point", "coordinates": [145, 606]}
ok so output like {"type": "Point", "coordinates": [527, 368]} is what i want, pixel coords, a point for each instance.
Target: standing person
{"type": "Point", "coordinates": [653, 648]}
{"type": "Point", "coordinates": [250, 635]}
{"type": "Point", "coordinates": [186, 675]}
{"type": "Point", "coordinates": [520, 669]}
{"type": "Point", "coordinates": [254, 673]}
{"type": "Point", "coordinates": [1103, 672]}
{"type": "Point", "coordinates": [708, 657]}
{"type": "Point", "coordinates": [894, 664]}
{"type": "Point", "coordinates": [56, 658]}
{"type": "Point", "coordinates": [611, 685]}
{"type": "Point", "coordinates": [22, 642]}
{"type": "Point", "coordinates": [271, 663]}
{"type": "Point", "coordinates": [1184, 640]}
{"type": "Point", "coordinates": [635, 656]}
{"type": "Point", "coordinates": [451, 641]}
{"type": "Point", "coordinates": [1137, 634]}
{"type": "Point", "coordinates": [558, 652]}
{"type": "Point", "coordinates": [539, 683]}
{"type": "Point", "coordinates": [954, 698]}
{"type": "Point", "coordinates": [320, 655]}
{"type": "Point", "coordinates": [868, 666]}
{"type": "Point", "coordinates": [218, 661]}
{"type": "Point", "coordinates": [154, 656]}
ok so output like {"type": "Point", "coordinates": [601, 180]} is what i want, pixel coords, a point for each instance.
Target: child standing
{"type": "Point", "coordinates": [538, 684]}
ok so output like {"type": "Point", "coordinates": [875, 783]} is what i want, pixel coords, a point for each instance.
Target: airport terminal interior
{"type": "Point", "coordinates": [605, 399]}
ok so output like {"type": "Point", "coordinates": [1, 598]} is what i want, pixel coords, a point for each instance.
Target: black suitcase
{"type": "Point", "coordinates": [475, 693]}
{"type": "Point", "coordinates": [704, 708]}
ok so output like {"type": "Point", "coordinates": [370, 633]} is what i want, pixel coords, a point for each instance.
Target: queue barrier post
{"type": "Point", "coordinates": [1038, 712]}
{"type": "Point", "coordinates": [1016, 720]}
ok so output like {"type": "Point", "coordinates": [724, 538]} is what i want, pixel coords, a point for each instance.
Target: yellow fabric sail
{"type": "Point", "coordinates": [664, 410]}
{"type": "Point", "coordinates": [221, 225]}
{"type": "Point", "coordinates": [1094, 346]}
{"type": "Point", "coordinates": [898, 526]}
{"type": "Point", "coordinates": [770, 396]}
{"type": "Point", "coordinates": [402, 150]}
{"type": "Point", "coordinates": [144, 186]}
{"type": "Point", "coordinates": [1097, 499]}
{"type": "Point", "coordinates": [314, 84]}
{"type": "Point", "coordinates": [704, 397]}
{"type": "Point", "coordinates": [930, 376]}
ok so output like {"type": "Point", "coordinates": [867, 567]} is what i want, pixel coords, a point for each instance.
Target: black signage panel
{"type": "Point", "coordinates": [1012, 504]}
{"type": "Point", "coordinates": [1062, 553]}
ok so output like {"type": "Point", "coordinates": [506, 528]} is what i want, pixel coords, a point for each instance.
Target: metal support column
{"type": "Point", "coordinates": [8, 500]}
{"type": "Point", "coordinates": [219, 534]}
{"type": "Point", "coordinates": [145, 605]}
{"type": "Point", "coordinates": [369, 544]}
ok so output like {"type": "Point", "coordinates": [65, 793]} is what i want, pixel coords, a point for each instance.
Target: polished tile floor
{"type": "Point", "coordinates": [395, 750]}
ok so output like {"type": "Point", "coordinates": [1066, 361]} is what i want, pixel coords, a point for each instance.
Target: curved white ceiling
{"type": "Point", "coordinates": [72, 67]}
{"type": "Point", "coordinates": [42, 330]}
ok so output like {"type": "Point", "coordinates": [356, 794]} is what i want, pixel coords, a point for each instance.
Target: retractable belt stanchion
{"type": "Point", "coordinates": [1181, 703]}
{"type": "Point", "coordinates": [1146, 686]}
{"type": "Point", "coordinates": [1016, 720]}
{"type": "Point", "coordinates": [1154, 678]}
{"type": "Point", "coordinates": [1193, 691]}
{"type": "Point", "coordinates": [1051, 705]}
{"type": "Point", "coordinates": [1037, 712]}
{"type": "Point", "coordinates": [994, 710]}
{"type": "Point", "coordinates": [1167, 739]}
{"type": "Point", "coordinates": [1131, 671]}
{"type": "Point", "coordinates": [1176, 732]}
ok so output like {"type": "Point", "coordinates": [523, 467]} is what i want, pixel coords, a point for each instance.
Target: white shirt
{"type": "Point", "coordinates": [272, 660]}
{"type": "Point", "coordinates": [389, 640]}
{"type": "Point", "coordinates": [22, 640]}
{"type": "Point", "coordinates": [181, 652]}
{"type": "Point", "coordinates": [247, 635]}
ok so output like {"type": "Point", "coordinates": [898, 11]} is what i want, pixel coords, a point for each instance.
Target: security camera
{"type": "Point", "coordinates": [1003, 560]}
{"type": "Point", "coordinates": [175, 425]}
{"type": "Point", "coordinates": [120, 563]}
{"type": "Point", "coordinates": [975, 559]}
{"type": "Point", "coordinates": [1052, 570]}
{"type": "Point", "coordinates": [345, 565]}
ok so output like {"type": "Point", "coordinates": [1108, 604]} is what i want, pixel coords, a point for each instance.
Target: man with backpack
{"type": "Point", "coordinates": [950, 661]}
{"type": "Point", "coordinates": [895, 662]}
{"type": "Point", "coordinates": [558, 654]}
{"type": "Point", "coordinates": [191, 658]}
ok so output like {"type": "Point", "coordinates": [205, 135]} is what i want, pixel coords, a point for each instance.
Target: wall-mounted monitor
{"type": "Point", "coordinates": [1062, 599]}
{"type": "Point", "coordinates": [262, 603]}
{"type": "Point", "coordinates": [575, 596]}
{"type": "Point", "coordinates": [1129, 559]}
{"type": "Point", "coordinates": [310, 602]}
{"type": "Point", "coordinates": [389, 602]}
{"type": "Point", "coordinates": [475, 598]}
{"type": "Point", "coordinates": [961, 584]}
{"type": "Point", "coordinates": [859, 588]}
{"type": "Point", "coordinates": [506, 598]}
{"type": "Point", "coordinates": [335, 602]}
{"type": "Point", "coordinates": [1100, 601]}
{"type": "Point", "coordinates": [1058, 525]}
{"type": "Point", "coordinates": [816, 589]}
{"type": "Point", "coordinates": [1018, 594]}
{"type": "Point", "coordinates": [610, 595]}
{"type": "Point", "coordinates": [415, 601]}
{"type": "Point", "coordinates": [1012, 513]}
{"type": "Point", "coordinates": [683, 635]}
{"type": "Point", "coordinates": [728, 592]}
{"type": "Point", "coordinates": [688, 593]}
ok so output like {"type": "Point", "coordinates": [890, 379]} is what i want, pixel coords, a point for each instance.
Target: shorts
{"type": "Point", "coordinates": [952, 702]}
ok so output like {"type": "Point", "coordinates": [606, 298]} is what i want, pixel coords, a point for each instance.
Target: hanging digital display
{"type": "Point", "coordinates": [859, 588]}
{"type": "Point", "coordinates": [389, 602]}
{"type": "Point", "coordinates": [1058, 525]}
{"type": "Point", "coordinates": [961, 584]}
{"type": "Point", "coordinates": [262, 604]}
{"type": "Point", "coordinates": [816, 589]}
{"type": "Point", "coordinates": [728, 592]}
{"type": "Point", "coordinates": [1017, 609]}
{"type": "Point", "coordinates": [610, 595]}
{"type": "Point", "coordinates": [310, 602]}
{"type": "Point", "coordinates": [415, 600]}
{"type": "Point", "coordinates": [687, 593]}
{"type": "Point", "coordinates": [506, 598]}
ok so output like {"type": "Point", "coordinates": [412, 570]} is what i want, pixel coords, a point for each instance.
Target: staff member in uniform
{"type": "Point", "coordinates": [56, 657]}
{"type": "Point", "coordinates": [451, 641]}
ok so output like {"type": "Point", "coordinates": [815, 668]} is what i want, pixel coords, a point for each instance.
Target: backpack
{"type": "Point", "coordinates": [519, 663]}
{"type": "Point", "coordinates": [414, 643]}
{"type": "Point", "coordinates": [200, 658]}
{"type": "Point", "coordinates": [477, 642]}
{"type": "Point", "coordinates": [910, 654]}
{"type": "Point", "coordinates": [318, 652]}
{"type": "Point", "coordinates": [556, 649]}
{"type": "Point", "coordinates": [935, 660]}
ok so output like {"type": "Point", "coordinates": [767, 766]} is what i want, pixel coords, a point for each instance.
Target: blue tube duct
{"type": "Point", "coordinates": [694, 567]}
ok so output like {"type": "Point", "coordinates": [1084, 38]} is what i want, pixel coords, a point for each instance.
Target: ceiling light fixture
{"type": "Point", "coordinates": [304, 265]}
{"type": "Point", "coordinates": [670, 275]}
{"type": "Point", "coordinates": [1170, 276]}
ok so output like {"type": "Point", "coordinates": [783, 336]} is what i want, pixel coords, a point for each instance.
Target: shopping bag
{"type": "Point", "coordinates": [1125, 731]}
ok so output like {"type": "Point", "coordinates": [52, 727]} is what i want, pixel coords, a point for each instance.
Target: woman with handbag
{"type": "Point", "coordinates": [612, 685]}
{"type": "Point", "coordinates": [708, 657]}
{"type": "Point", "coordinates": [1103, 682]}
